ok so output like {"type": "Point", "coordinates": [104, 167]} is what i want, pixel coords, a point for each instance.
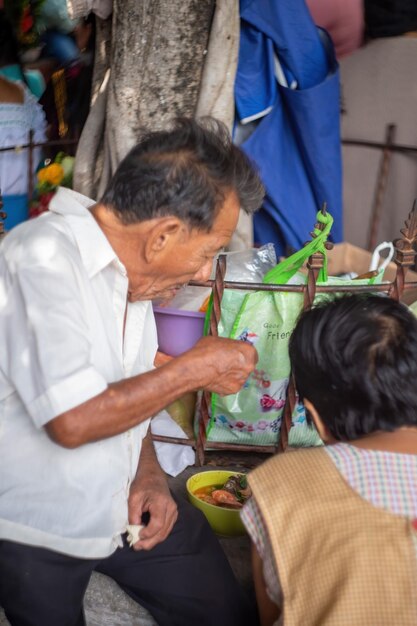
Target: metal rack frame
{"type": "Point", "coordinates": [404, 258]}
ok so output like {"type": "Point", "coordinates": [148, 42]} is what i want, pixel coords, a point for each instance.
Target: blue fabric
{"type": "Point", "coordinates": [61, 47]}
{"type": "Point", "coordinates": [17, 209]}
{"type": "Point", "coordinates": [296, 146]}
{"type": "Point", "coordinates": [34, 79]}
{"type": "Point", "coordinates": [255, 86]}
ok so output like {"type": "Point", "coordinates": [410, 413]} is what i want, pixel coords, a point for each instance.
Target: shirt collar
{"type": "Point", "coordinates": [95, 249]}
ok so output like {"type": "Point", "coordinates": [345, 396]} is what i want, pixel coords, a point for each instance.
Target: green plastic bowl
{"type": "Point", "coordinates": [223, 521]}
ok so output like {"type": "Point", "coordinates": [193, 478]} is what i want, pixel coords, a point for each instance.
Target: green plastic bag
{"type": "Point", "coordinates": [266, 319]}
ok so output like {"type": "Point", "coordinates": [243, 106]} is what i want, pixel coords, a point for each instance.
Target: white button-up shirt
{"type": "Point", "coordinates": [63, 298]}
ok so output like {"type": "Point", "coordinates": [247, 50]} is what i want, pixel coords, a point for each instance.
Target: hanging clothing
{"type": "Point", "coordinates": [16, 120]}
{"type": "Point", "coordinates": [288, 79]}
{"type": "Point", "coordinates": [81, 8]}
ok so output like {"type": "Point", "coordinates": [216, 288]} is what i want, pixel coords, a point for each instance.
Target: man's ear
{"type": "Point", "coordinates": [322, 429]}
{"type": "Point", "coordinates": [162, 236]}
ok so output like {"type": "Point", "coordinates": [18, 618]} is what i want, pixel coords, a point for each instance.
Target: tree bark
{"type": "Point", "coordinates": [165, 61]}
{"type": "Point", "coordinates": [157, 56]}
{"type": "Point", "coordinates": [157, 60]}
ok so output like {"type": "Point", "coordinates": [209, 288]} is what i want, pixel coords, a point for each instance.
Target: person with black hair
{"type": "Point", "coordinates": [334, 529]}
{"type": "Point", "coordinates": [78, 385]}
{"type": "Point", "coordinates": [11, 66]}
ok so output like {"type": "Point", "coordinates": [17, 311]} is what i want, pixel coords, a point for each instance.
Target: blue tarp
{"type": "Point", "coordinates": [296, 144]}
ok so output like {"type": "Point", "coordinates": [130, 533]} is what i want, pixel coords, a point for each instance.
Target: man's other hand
{"type": "Point", "coordinates": [151, 495]}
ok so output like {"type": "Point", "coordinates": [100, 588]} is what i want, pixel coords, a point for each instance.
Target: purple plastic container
{"type": "Point", "coordinates": [178, 330]}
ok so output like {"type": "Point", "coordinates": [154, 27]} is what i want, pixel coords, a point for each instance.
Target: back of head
{"type": "Point", "coordinates": [186, 171]}
{"type": "Point", "coordinates": [355, 360]}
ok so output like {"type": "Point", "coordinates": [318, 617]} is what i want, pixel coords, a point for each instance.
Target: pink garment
{"type": "Point", "coordinates": [343, 20]}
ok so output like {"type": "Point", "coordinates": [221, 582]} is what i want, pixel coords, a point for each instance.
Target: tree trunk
{"type": "Point", "coordinates": [156, 62]}
{"type": "Point", "coordinates": [165, 61]}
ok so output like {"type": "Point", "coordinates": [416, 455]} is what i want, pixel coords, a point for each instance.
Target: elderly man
{"type": "Point", "coordinates": [77, 385]}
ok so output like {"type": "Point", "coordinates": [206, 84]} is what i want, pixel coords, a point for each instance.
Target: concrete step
{"type": "Point", "coordinates": [105, 604]}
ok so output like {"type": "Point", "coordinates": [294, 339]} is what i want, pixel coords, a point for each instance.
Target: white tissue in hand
{"type": "Point", "coordinates": [133, 533]}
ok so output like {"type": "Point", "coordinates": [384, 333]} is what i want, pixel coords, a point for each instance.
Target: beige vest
{"type": "Point", "coordinates": [340, 560]}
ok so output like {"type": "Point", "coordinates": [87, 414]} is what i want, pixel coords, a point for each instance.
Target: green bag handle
{"type": "Point", "coordinates": [284, 271]}
{"type": "Point", "coordinates": [281, 273]}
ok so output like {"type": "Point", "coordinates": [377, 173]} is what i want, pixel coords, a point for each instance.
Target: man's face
{"type": "Point", "coordinates": [189, 258]}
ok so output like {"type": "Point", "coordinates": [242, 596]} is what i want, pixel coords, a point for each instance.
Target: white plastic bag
{"type": "Point", "coordinates": [172, 457]}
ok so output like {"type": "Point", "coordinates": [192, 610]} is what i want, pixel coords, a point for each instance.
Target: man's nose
{"type": "Point", "coordinates": [204, 272]}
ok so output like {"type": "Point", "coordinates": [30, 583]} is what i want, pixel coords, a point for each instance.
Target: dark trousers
{"type": "Point", "coordinates": [184, 581]}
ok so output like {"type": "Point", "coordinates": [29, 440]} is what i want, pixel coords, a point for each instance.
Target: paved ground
{"type": "Point", "coordinates": [107, 605]}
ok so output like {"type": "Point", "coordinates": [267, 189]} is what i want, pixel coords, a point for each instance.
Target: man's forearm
{"type": "Point", "coordinates": [219, 365]}
{"type": "Point", "coordinates": [122, 405]}
{"type": "Point", "coordinates": [148, 465]}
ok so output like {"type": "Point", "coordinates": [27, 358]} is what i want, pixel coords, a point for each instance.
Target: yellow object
{"type": "Point", "coordinates": [60, 96]}
{"type": "Point", "coordinates": [204, 306]}
{"type": "Point", "coordinates": [223, 521]}
{"type": "Point", "coordinates": [52, 174]}
{"type": "Point", "coordinates": [182, 412]}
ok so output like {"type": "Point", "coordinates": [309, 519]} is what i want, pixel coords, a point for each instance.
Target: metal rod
{"type": "Point", "coordinates": [180, 440]}
{"type": "Point", "coordinates": [217, 288]}
{"type": "Point", "coordinates": [405, 253]}
{"type": "Point", "coordinates": [44, 144]}
{"type": "Point", "coordinates": [30, 166]}
{"type": "Point", "coordinates": [381, 186]}
{"type": "Point", "coordinates": [286, 422]}
{"type": "Point", "coordinates": [240, 447]}
{"type": "Point", "coordinates": [382, 287]}
{"type": "Point", "coordinates": [315, 264]}
{"type": "Point", "coordinates": [378, 145]}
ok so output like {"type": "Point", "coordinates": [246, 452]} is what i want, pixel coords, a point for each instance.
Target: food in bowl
{"type": "Point", "coordinates": [231, 494]}
{"type": "Point", "coordinates": [224, 520]}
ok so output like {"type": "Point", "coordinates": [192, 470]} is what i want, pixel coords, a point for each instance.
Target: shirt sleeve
{"type": "Point", "coordinates": [44, 334]}
{"type": "Point", "coordinates": [254, 524]}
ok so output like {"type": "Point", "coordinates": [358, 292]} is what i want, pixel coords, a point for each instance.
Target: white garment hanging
{"type": "Point", "coordinates": [81, 8]}
{"type": "Point", "coordinates": [16, 120]}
